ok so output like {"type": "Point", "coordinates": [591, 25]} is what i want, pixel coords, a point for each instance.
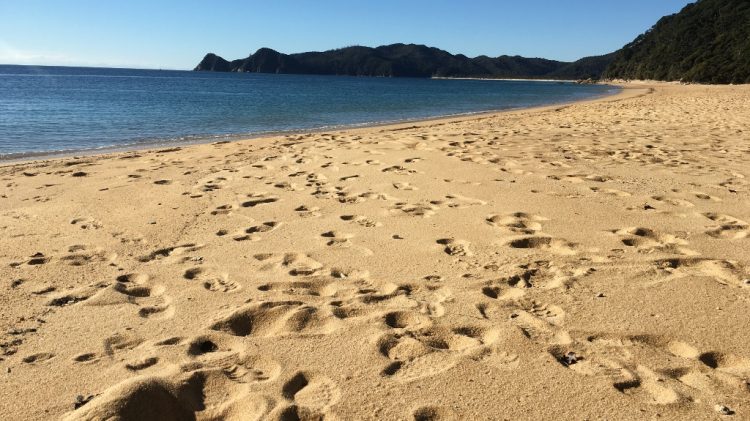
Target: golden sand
{"type": "Point", "coordinates": [588, 261]}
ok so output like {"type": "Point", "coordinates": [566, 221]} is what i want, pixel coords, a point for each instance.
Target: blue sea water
{"type": "Point", "coordinates": [53, 109]}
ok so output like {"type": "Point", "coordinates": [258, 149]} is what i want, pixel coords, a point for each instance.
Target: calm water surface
{"type": "Point", "coordinates": [52, 109]}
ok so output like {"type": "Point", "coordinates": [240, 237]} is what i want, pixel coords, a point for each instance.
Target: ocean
{"type": "Point", "coordinates": [47, 110]}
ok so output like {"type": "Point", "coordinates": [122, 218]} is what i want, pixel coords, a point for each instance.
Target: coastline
{"type": "Point", "coordinates": [505, 79]}
{"type": "Point", "coordinates": [573, 259]}
{"type": "Point", "coordinates": [26, 157]}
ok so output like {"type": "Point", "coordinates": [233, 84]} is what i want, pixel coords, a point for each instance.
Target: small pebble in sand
{"type": "Point", "coordinates": [569, 359]}
{"type": "Point", "coordinates": [600, 295]}
{"type": "Point", "coordinates": [81, 400]}
{"type": "Point", "coordinates": [723, 410]}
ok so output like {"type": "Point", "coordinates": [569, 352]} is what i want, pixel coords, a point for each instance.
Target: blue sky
{"type": "Point", "coordinates": [176, 34]}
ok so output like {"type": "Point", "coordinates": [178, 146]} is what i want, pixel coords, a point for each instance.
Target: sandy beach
{"type": "Point", "coordinates": [587, 261]}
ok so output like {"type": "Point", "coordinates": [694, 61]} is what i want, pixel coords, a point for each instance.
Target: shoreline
{"type": "Point", "coordinates": [505, 79]}
{"type": "Point", "coordinates": [156, 145]}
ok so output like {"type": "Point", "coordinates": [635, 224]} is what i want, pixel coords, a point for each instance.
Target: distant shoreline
{"type": "Point", "coordinates": [505, 79]}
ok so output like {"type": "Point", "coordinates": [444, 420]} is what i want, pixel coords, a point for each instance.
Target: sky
{"type": "Point", "coordinates": [172, 34]}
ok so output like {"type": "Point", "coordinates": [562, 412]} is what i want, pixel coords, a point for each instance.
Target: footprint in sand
{"type": "Point", "coordinates": [133, 288]}
{"type": "Point", "coordinates": [550, 313]}
{"type": "Point", "coordinates": [362, 220]}
{"type": "Point", "coordinates": [454, 247]}
{"type": "Point", "coordinates": [420, 352]}
{"type": "Point", "coordinates": [421, 209]}
{"type": "Point", "coordinates": [141, 363]}
{"type": "Point", "coordinates": [400, 170]}
{"type": "Point", "coordinates": [581, 178]}
{"type": "Point", "coordinates": [729, 227]}
{"type": "Point", "coordinates": [434, 413]}
{"type": "Point", "coordinates": [311, 395]}
{"type": "Point", "coordinates": [264, 227]}
{"type": "Point", "coordinates": [694, 379]}
{"type": "Point", "coordinates": [554, 245]}
{"type": "Point", "coordinates": [297, 264]}
{"type": "Point", "coordinates": [404, 186]}
{"type": "Point", "coordinates": [86, 223]}
{"type": "Point", "coordinates": [313, 288]}
{"type": "Point", "coordinates": [406, 320]}
{"type": "Point", "coordinates": [208, 393]}
{"type": "Point", "coordinates": [38, 358]}
{"type": "Point", "coordinates": [512, 287]}
{"type": "Point", "coordinates": [646, 240]}
{"type": "Point", "coordinates": [79, 255]}
{"type": "Point", "coordinates": [35, 259]}
{"type": "Point", "coordinates": [308, 211]}
{"type": "Point", "coordinates": [212, 183]}
{"type": "Point", "coordinates": [84, 256]}
{"type": "Point", "coordinates": [258, 199]}
{"type": "Point", "coordinates": [287, 186]}
{"type": "Point", "coordinates": [275, 319]}
{"type": "Point", "coordinates": [120, 342]}
{"type": "Point", "coordinates": [705, 196]}
{"type": "Point", "coordinates": [87, 357]}
{"type": "Point", "coordinates": [163, 310]}
{"type": "Point", "coordinates": [724, 272]}
{"type": "Point", "coordinates": [133, 278]}
{"type": "Point", "coordinates": [372, 195]}
{"type": "Point", "coordinates": [253, 233]}
{"type": "Point", "coordinates": [337, 239]}
{"type": "Point", "coordinates": [71, 297]}
{"type": "Point", "coordinates": [124, 293]}
{"type": "Point", "coordinates": [673, 201]}
{"type": "Point", "coordinates": [214, 282]}
{"type": "Point", "coordinates": [223, 210]}
{"type": "Point", "coordinates": [458, 201]}
{"type": "Point", "coordinates": [520, 222]}
{"type": "Point", "coordinates": [428, 365]}
{"type": "Point", "coordinates": [726, 363]}
{"type": "Point", "coordinates": [611, 192]}
{"type": "Point", "coordinates": [167, 252]}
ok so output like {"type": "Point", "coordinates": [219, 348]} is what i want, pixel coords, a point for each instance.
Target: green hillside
{"type": "Point", "coordinates": [707, 42]}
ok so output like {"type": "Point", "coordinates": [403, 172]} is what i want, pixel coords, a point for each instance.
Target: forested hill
{"type": "Point", "coordinates": [405, 60]}
{"type": "Point", "coordinates": [707, 42]}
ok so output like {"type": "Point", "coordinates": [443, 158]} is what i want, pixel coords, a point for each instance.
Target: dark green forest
{"type": "Point", "coordinates": [404, 60]}
{"type": "Point", "coordinates": [707, 42]}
